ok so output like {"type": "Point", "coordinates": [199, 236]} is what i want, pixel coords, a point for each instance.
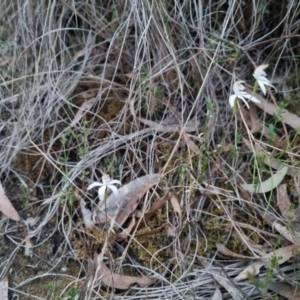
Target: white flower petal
{"type": "Point", "coordinates": [105, 178]}
{"type": "Point", "coordinates": [250, 97]}
{"type": "Point", "coordinates": [101, 193]}
{"type": "Point", "coordinates": [115, 182]}
{"type": "Point", "coordinates": [114, 189]}
{"type": "Point", "coordinates": [267, 82]}
{"type": "Point", "coordinates": [260, 77]}
{"type": "Point", "coordinates": [238, 87]}
{"type": "Point", "coordinates": [86, 214]}
{"type": "Point", "coordinates": [94, 184]}
{"type": "Point", "coordinates": [259, 70]}
{"type": "Point", "coordinates": [232, 100]}
{"type": "Point", "coordinates": [244, 100]}
{"type": "Point", "coordinates": [262, 86]}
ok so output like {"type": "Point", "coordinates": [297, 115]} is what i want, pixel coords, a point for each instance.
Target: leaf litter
{"type": "Point", "coordinates": [6, 207]}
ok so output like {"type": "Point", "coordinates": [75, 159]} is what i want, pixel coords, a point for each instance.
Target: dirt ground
{"type": "Point", "coordinates": [47, 272]}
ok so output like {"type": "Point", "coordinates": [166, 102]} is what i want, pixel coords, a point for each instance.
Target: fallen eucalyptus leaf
{"type": "Point", "coordinates": [122, 205]}
{"type": "Point", "coordinates": [122, 282]}
{"type": "Point", "coordinates": [282, 254]}
{"type": "Point", "coordinates": [6, 207]}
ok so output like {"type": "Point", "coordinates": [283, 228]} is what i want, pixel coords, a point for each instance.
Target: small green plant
{"type": "Point", "coordinates": [25, 194]}
{"type": "Point", "coordinates": [270, 275]}
{"type": "Point", "coordinates": [72, 293]}
{"type": "Point", "coordinates": [51, 287]}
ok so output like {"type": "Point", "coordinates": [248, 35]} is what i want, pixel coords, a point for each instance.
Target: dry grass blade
{"type": "Point", "coordinates": [6, 207]}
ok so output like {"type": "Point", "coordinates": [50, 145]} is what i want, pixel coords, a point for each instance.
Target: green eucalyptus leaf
{"type": "Point", "coordinates": [267, 185]}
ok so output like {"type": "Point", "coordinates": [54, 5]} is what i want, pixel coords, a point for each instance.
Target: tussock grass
{"type": "Point", "coordinates": [172, 63]}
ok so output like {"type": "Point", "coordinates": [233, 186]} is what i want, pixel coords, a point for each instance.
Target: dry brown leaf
{"type": "Point", "coordinates": [292, 236]}
{"type": "Point", "coordinates": [152, 211]}
{"type": "Point", "coordinates": [190, 143]}
{"type": "Point", "coordinates": [176, 205]}
{"type": "Point", "coordinates": [6, 207]}
{"type": "Point", "coordinates": [122, 205]}
{"type": "Point", "coordinates": [283, 201]}
{"type": "Point", "coordinates": [88, 278]}
{"type": "Point", "coordinates": [85, 106]}
{"type": "Point", "coordinates": [285, 290]}
{"type": "Point", "coordinates": [251, 118]}
{"type": "Point", "coordinates": [222, 279]}
{"type": "Point", "coordinates": [155, 230]}
{"type": "Point", "coordinates": [172, 231]}
{"type": "Point", "coordinates": [122, 282]}
{"type": "Point", "coordinates": [126, 232]}
{"type": "Point", "coordinates": [261, 250]}
{"type": "Point", "coordinates": [283, 254]}
{"type": "Point", "coordinates": [287, 117]}
{"type": "Point", "coordinates": [226, 253]}
{"type": "Point", "coordinates": [28, 246]}
{"type": "Point", "coordinates": [4, 288]}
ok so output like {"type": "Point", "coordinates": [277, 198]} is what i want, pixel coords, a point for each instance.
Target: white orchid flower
{"type": "Point", "coordinates": [260, 76]}
{"type": "Point", "coordinates": [239, 92]}
{"type": "Point", "coordinates": [106, 183]}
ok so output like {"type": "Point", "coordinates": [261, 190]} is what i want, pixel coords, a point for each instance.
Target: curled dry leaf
{"type": "Point", "coordinates": [6, 207]}
{"type": "Point", "coordinates": [85, 106]}
{"type": "Point", "coordinates": [190, 143]}
{"type": "Point", "coordinates": [122, 205]}
{"type": "Point", "coordinates": [176, 205]}
{"type": "Point", "coordinates": [283, 201]}
{"type": "Point", "coordinates": [283, 254]}
{"type": "Point", "coordinates": [122, 282]}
